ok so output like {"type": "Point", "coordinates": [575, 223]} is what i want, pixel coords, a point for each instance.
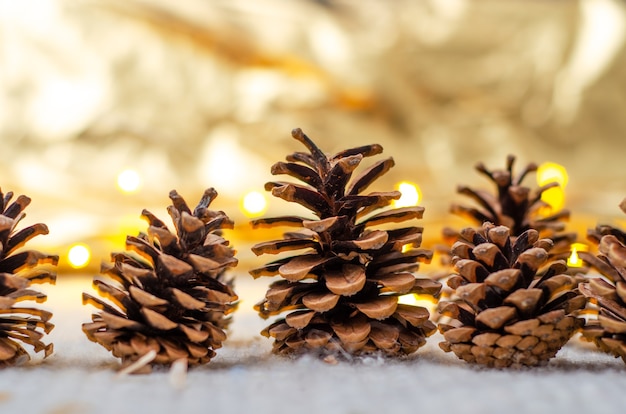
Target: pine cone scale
{"type": "Point", "coordinates": [400, 282]}
{"type": "Point", "coordinates": [347, 281]}
{"type": "Point", "coordinates": [355, 330]}
{"type": "Point", "coordinates": [321, 302]}
{"type": "Point", "coordinates": [9, 350]}
{"type": "Point", "coordinates": [300, 319]}
{"type": "Point", "coordinates": [300, 267]}
{"type": "Point", "coordinates": [117, 322]}
{"type": "Point", "coordinates": [379, 308]}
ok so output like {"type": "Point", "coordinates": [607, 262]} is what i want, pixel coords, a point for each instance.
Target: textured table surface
{"type": "Point", "coordinates": [244, 378]}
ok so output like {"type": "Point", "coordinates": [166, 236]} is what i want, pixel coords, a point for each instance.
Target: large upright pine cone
{"type": "Point", "coordinates": [510, 306]}
{"type": "Point", "coordinates": [608, 331]}
{"type": "Point", "coordinates": [168, 294]}
{"type": "Point", "coordinates": [341, 290]}
{"type": "Point", "coordinates": [18, 270]}
{"type": "Point", "coordinates": [515, 206]}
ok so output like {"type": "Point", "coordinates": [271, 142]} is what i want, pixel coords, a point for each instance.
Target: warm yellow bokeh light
{"type": "Point", "coordinates": [574, 260]}
{"type": "Point", "coordinates": [555, 197]}
{"type": "Point", "coordinates": [78, 256]}
{"type": "Point", "coordinates": [411, 195]}
{"type": "Point", "coordinates": [254, 204]}
{"type": "Point", "coordinates": [410, 299]}
{"type": "Point", "coordinates": [128, 181]}
{"type": "Point", "coordinates": [550, 172]}
{"type": "Point", "coordinates": [413, 299]}
{"type": "Point", "coordinates": [130, 224]}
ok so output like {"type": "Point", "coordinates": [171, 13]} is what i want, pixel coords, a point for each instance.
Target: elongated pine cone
{"type": "Point", "coordinates": [510, 305]}
{"type": "Point", "coordinates": [515, 206]}
{"type": "Point", "coordinates": [608, 331]}
{"type": "Point", "coordinates": [341, 290]}
{"type": "Point", "coordinates": [19, 269]}
{"type": "Point", "coordinates": [168, 293]}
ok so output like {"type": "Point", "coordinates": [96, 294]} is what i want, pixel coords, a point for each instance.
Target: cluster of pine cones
{"type": "Point", "coordinates": [510, 298]}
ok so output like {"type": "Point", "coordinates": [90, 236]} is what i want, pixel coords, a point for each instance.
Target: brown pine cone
{"type": "Point", "coordinates": [608, 294]}
{"type": "Point", "coordinates": [18, 270]}
{"type": "Point", "coordinates": [510, 305]}
{"type": "Point", "coordinates": [168, 293]}
{"type": "Point", "coordinates": [515, 206]}
{"type": "Point", "coordinates": [341, 289]}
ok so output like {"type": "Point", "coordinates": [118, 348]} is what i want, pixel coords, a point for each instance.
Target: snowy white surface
{"type": "Point", "coordinates": [246, 378]}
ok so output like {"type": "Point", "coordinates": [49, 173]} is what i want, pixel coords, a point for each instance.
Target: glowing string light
{"type": "Point", "coordinates": [550, 172]}
{"type": "Point", "coordinates": [574, 260]}
{"type": "Point", "coordinates": [254, 204]}
{"type": "Point", "coordinates": [411, 195]}
{"type": "Point", "coordinates": [78, 256]}
{"type": "Point", "coordinates": [414, 299]}
{"type": "Point", "coordinates": [555, 198]}
{"type": "Point", "coordinates": [410, 299]}
{"type": "Point", "coordinates": [128, 181]}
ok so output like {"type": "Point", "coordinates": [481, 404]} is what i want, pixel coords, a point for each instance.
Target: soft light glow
{"type": "Point", "coordinates": [550, 172]}
{"type": "Point", "coordinates": [424, 301]}
{"type": "Point", "coordinates": [129, 224]}
{"type": "Point", "coordinates": [411, 195]}
{"type": "Point", "coordinates": [410, 299]}
{"type": "Point", "coordinates": [254, 204]}
{"type": "Point", "coordinates": [78, 256]}
{"type": "Point", "coordinates": [555, 197]}
{"type": "Point", "coordinates": [574, 260]}
{"type": "Point", "coordinates": [599, 40]}
{"type": "Point", "coordinates": [221, 160]}
{"type": "Point", "coordinates": [128, 181]}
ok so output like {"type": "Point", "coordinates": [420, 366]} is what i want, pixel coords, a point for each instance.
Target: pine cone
{"type": "Point", "coordinates": [515, 206]}
{"type": "Point", "coordinates": [504, 312]}
{"type": "Point", "coordinates": [608, 331]}
{"type": "Point", "coordinates": [342, 291]}
{"type": "Point", "coordinates": [169, 292]}
{"type": "Point", "coordinates": [18, 270]}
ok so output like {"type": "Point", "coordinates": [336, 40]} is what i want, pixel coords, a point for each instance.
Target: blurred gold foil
{"type": "Point", "coordinates": [192, 94]}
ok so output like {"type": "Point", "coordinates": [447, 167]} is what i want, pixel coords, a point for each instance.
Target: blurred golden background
{"type": "Point", "coordinates": [107, 105]}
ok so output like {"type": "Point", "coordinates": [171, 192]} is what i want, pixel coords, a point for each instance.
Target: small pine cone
{"type": "Point", "coordinates": [515, 206]}
{"type": "Point", "coordinates": [18, 270]}
{"type": "Point", "coordinates": [341, 291]}
{"type": "Point", "coordinates": [512, 205]}
{"type": "Point", "coordinates": [608, 294]}
{"type": "Point", "coordinates": [168, 293]}
{"type": "Point", "coordinates": [504, 312]}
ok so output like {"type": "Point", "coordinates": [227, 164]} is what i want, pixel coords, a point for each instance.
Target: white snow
{"type": "Point", "coordinates": [245, 378]}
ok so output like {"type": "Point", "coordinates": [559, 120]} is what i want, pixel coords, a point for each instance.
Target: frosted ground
{"type": "Point", "coordinates": [246, 378]}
